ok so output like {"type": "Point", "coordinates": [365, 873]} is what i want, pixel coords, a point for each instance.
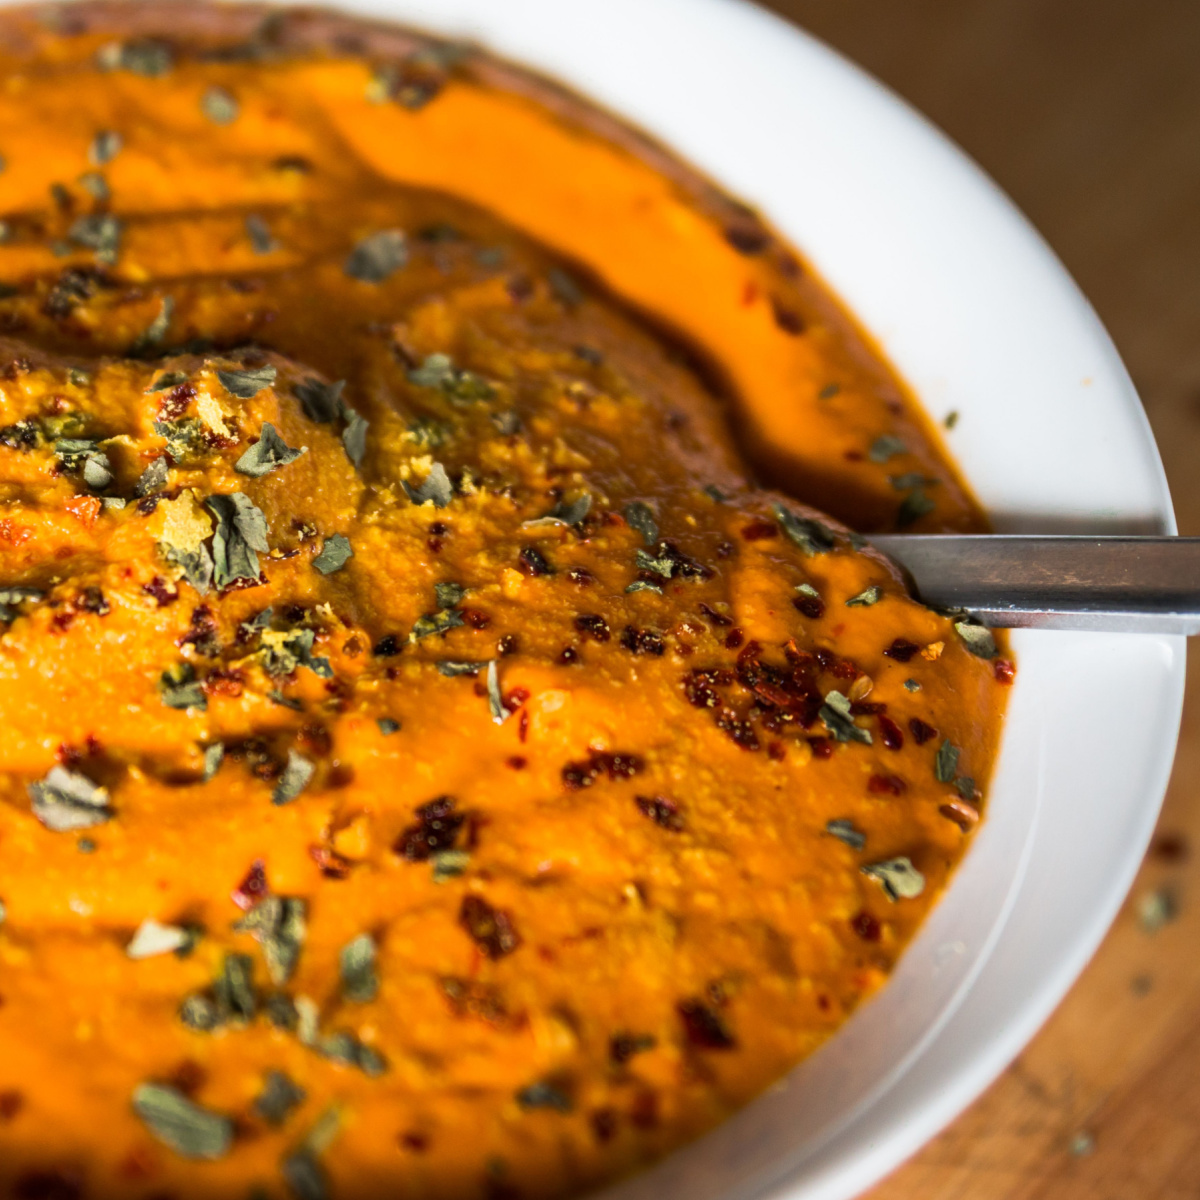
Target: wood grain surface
{"type": "Point", "coordinates": [1087, 112]}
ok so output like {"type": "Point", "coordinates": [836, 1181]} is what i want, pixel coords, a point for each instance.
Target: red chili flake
{"type": "Point", "coordinates": [434, 545]}
{"type": "Point", "coordinates": [643, 641]}
{"type": "Point", "coordinates": [821, 747]}
{"type": "Point", "coordinates": [68, 756]}
{"type": "Point", "coordinates": [1169, 847]}
{"type": "Point", "coordinates": [886, 785]}
{"type": "Point", "coordinates": [809, 606]}
{"type": "Point", "coordinates": [436, 829]}
{"type": "Point", "coordinates": [747, 238]}
{"type": "Point", "coordinates": [890, 733]}
{"type": "Point", "coordinates": [734, 638]}
{"type": "Point", "coordinates": [475, 618]}
{"type": "Point", "coordinates": [901, 650]}
{"type": "Point", "coordinates": [704, 1026]}
{"type": "Point", "coordinates": [418, 1143]}
{"type": "Point", "coordinates": [508, 644]}
{"type": "Point", "coordinates": [530, 562]}
{"type": "Point", "coordinates": [593, 626]}
{"type": "Point", "coordinates": [715, 617]}
{"type": "Point", "coordinates": [853, 455]}
{"type": "Point", "coordinates": [253, 888]}
{"type": "Point", "coordinates": [577, 775]}
{"type": "Point", "coordinates": [331, 863]}
{"type": "Point", "coordinates": [787, 320]}
{"type": "Point", "coordinates": [738, 728]}
{"type": "Point", "coordinates": [581, 576]}
{"type": "Point", "coordinates": [11, 1103]}
{"type": "Point", "coordinates": [568, 656]}
{"type": "Point", "coordinates": [776, 751]}
{"type": "Point", "coordinates": [174, 404]}
{"type": "Point", "coordinates": [644, 1111]}
{"type": "Point", "coordinates": [223, 682]}
{"type": "Point", "coordinates": [517, 762]}
{"type": "Point", "coordinates": [604, 1124]}
{"type": "Point", "coordinates": [1004, 671]}
{"type": "Point", "coordinates": [866, 926]}
{"type": "Point", "coordinates": [188, 1076]}
{"type": "Point", "coordinates": [514, 699]}
{"type": "Point", "coordinates": [758, 531]}
{"type": "Point", "coordinates": [661, 811]}
{"type": "Point", "coordinates": [920, 731]}
{"type": "Point", "coordinates": [62, 621]}
{"type": "Point", "coordinates": [491, 929]}
{"type": "Point", "coordinates": [867, 708]}
{"type": "Point", "coordinates": [48, 1185]}
{"type": "Point", "coordinates": [520, 288]}
{"type": "Point", "coordinates": [315, 738]}
{"type": "Point", "coordinates": [523, 726]}
{"type": "Point", "coordinates": [843, 668]}
{"type": "Point", "coordinates": [160, 591]}
{"type": "Point", "coordinates": [438, 529]}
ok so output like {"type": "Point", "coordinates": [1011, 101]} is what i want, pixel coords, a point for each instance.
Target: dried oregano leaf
{"type": "Point", "coordinates": [188, 1129]}
{"type": "Point", "coordinates": [335, 554]}
{"type": "Point", "coordinates": [241, 530]}
{"type": "Point", "coordinates": [267, 454]}
{"type": "Point", "coordinates": [839, 721]}
{"type": "Point", "coordinates": [278, 1097]}
{"type": "Point", "coordinates": [359, 981]}
{"type": "Point", "coordinates": [248, 382]}
{"type": "Point", "coordinates": [899, 879]}
{"type": "Point", "coordinates": [278, 924]}
{"type": "Point", "coordinates": [295, 778]}
{"type": "Point", "coordinates": [377, 256]}
{"type": "Point", "coordinates": [66, 800]}
{"type": "Point", "coordinates": [977, 638]}
{"type": "Point", "coordinates": [845, 831]}
{"type": "Point", "coordinates": [811, 536]}
{"type": "Point", "coordinates": [436, 488]}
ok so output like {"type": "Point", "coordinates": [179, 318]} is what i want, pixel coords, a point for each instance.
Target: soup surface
{"type": "Point", "coordinates": [432, 764]}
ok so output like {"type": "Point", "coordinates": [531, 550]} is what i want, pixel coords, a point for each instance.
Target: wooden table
{"type": "Point", "coordinates": [1087, 112]}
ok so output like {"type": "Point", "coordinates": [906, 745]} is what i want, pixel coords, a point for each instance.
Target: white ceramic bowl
{"type": "Point", "coordinates": [977, 314]}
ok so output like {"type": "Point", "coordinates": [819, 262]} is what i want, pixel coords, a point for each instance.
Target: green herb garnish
{"type": "Point", "coordinates": [267, 454]}
{"type": "Point", "coordinates": [899, 879]}
{"type": "Point", "coordinates": [845, 831]}
{"type": "Point", "coordinates": [278, 1097]}
{"type": "Point", "coordinates": [377, 256]}
{"type": "Point", "coordinates": [866, 598]}
{"type": "Point", "coordinates": [439, 622]}
{"type": "Point", "coordinates": [436, 488]}
{"type": "Point", "coordinates": [321, 402]}
{"type": "Point", "coordinates": [278, 925]}
{"type": "Point", "coordinates": [179, 688]}
{"type": "Point", "coordinates": [188, 1129]}
{"type": "Point", "coordinates": [246, 383]}
{"type": "Point", "coordinates": [336, 552]}
{"type": "Point", "coordinates": [813, 537]}
{"type": "Point", "coordinates": [884, 447]}
{"type": "Point", "coordinates": [836, 715]}
{"type": "Point", "coordinates": [359, 981]}
{"type": "Point", "coordinates": [241, 530]}
{"type": "Point", "coordinates": [295, 778]}
{"type": "Point", "coordinates": [977, 638]}
{"type": "Point", "coordinates": [219, 106]}
{"type": "Point", "coordinates": [945, 763]}
{"type": "Point", "coordinates": [641, 519]}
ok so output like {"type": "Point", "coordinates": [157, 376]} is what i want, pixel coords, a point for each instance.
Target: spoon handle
{"type": "Point", "coordinates": [1104, 584]}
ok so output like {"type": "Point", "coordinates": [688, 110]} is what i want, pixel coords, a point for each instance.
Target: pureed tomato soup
{"type": "Point", "coordinates": [431, 763]}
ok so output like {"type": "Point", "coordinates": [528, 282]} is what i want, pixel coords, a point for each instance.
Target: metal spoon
{"type": "Point", "coordinates": [1103, 584]}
